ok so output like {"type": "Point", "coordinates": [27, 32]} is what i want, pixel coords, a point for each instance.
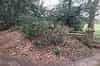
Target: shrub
{"type": "Point", "coordinates": [28, 30]}
{"type": "Point", "coordinates": [41, 43]}
{"type": "Point", "coordinates": [57, 51]}
{"type": "Point", "coordinates": [32, 27]}
{"type": "Point", "coordinates": [49, 39]}
{"type": "Point", "coordinates": [55, 39]}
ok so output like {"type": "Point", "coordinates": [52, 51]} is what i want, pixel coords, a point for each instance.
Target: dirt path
{"type": "Point", "coordinates": [14, 61]}
{"type": "Point", "coordinates": [91, 61]}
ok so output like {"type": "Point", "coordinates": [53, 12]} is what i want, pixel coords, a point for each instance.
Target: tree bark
{"type": "Point", "coordinates": [92, 11]}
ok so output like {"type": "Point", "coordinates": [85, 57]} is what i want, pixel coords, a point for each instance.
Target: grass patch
{"type": "Point", "coordinates": [97, 31]}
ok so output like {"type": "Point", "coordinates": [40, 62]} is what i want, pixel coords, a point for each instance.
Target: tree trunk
{"type": "Point", "coordinates": [92, 10]}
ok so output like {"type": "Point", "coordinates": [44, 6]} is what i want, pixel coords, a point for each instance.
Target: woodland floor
{"type": "Point", "coordinates": [17, 51]}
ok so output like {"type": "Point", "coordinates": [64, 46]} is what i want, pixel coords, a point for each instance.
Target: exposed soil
{"type": "Point", "coordinates": [13, 47]}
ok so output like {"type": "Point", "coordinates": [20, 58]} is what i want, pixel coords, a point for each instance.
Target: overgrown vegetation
{"type": "Point", "coordinates": [34, 19]}
{"type": "Point", "coordinates": [49, 39]}
{"type": "Point", "coordinates": [32, 27]}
